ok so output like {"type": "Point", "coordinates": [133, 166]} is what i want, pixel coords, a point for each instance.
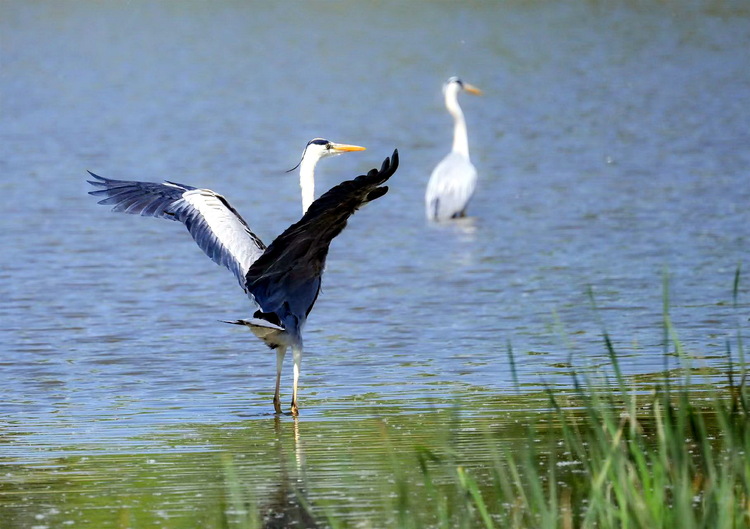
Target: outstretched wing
{"type": "Point", "coordinates": [214, 224]}
{"type": "Point", "coordinates": [285, 280]}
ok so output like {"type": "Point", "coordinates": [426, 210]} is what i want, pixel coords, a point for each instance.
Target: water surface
{"type": "Point", "coordinates": [611, 145]}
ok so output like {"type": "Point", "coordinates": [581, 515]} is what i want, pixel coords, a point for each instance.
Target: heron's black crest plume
{"type": "Point", "coordinates": [314, 141]}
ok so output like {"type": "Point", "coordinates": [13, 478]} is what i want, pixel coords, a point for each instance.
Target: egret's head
{"type": "Point", "coordinates": [320, 148]}
{"type": "Point", "coordinates": [456, 85]}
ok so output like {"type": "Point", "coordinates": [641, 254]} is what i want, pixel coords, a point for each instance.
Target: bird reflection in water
{"type": "Point", "coordinates": [289, 506]}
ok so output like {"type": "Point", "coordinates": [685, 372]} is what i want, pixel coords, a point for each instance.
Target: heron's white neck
{"type": "Point", "coordinates": [460, 135]}
{"type": "Point", "coordinates": [307, 181]}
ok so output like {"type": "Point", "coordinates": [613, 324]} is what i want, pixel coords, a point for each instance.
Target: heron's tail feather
{"type": "Point", "coordinates": [272, 335]}
{"type": "Point", "coordinates": [255, 322]}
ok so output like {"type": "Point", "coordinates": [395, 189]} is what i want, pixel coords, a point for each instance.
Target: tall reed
{"type": "Point", "coordinates": [678, 456]}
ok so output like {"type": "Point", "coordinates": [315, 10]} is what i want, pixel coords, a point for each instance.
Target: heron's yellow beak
{"type": "Point", "coordinates": [472, 89]}
{"type": "Point", "coordinates": [343, 147]}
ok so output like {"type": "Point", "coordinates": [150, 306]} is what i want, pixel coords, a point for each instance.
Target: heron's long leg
{"type": "Point", "coordinates": [297, 352]}
{"type": "Point", "coordinates": [280, 353]}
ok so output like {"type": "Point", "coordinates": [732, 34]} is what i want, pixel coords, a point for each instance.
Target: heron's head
{"type": "Point", "coordinates": [319, 148]}
{"type": "Point", "coordinates": [456, 85]}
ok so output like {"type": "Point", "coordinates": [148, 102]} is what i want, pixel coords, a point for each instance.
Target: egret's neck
{"type": "Point", "coordinates": [460, 136]}
{"type": "Point", "coordinates": [307, 182]}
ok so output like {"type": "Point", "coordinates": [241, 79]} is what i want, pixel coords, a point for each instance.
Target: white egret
{"type": "Point", "coordinates": [282, 280]}
{"type": "Point", "coordinates": [454, 180]}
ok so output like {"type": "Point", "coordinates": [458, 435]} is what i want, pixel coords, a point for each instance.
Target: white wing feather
{"type": "Point", "coordinates": [215, 225]}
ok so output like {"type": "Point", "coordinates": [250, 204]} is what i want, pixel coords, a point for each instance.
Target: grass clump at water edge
{"type": "Point", "coordinates": [623, 460]}
{"type": "Point", "coordinates": [612, 456]}
{"type": "Point", "coordinates": [600, 456]}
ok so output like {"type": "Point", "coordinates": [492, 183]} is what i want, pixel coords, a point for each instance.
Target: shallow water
{"type": "Point", "coordinates": [611, 145]}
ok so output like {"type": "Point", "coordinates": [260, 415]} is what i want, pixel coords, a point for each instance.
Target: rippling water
{"type": "Point", "coordinates": [611, 145]}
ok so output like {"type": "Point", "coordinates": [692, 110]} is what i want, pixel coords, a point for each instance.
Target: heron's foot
{"type": "Point", "coordinates": [277, 406]}
{"type": "Point", "coordinates": [295, 409]}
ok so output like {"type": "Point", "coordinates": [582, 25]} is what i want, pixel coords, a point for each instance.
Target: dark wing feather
{"type": "Point", "coordinates": [285, 280]}
{"type": "Point", "coordinates": [214, 224]}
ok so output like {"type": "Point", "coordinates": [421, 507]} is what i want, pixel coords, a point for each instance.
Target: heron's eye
{"type": "Point", "coordinates": [328, 146]}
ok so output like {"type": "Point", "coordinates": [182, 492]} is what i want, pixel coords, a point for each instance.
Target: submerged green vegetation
{"type": "Point", "coordinates": [603, 457]}
{"type": "Point", "coordinates": [599, 456]}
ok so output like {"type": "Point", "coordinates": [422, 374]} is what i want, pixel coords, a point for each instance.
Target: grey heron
{"type": "Point", "coordinates": [454, 179]}
{"type": "Point", "coordinates": [282, 279]}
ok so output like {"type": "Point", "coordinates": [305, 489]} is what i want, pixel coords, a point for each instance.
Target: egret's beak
{"type": "Point", "coordinates": [472, 89]}
{"type": "Point", "coordinates": [343, 147]}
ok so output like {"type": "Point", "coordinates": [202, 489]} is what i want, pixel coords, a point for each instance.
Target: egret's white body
{"type": "Point", "coordinates": [282, 280]}
{"type": "Point", "coordinates": [454, 180]}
